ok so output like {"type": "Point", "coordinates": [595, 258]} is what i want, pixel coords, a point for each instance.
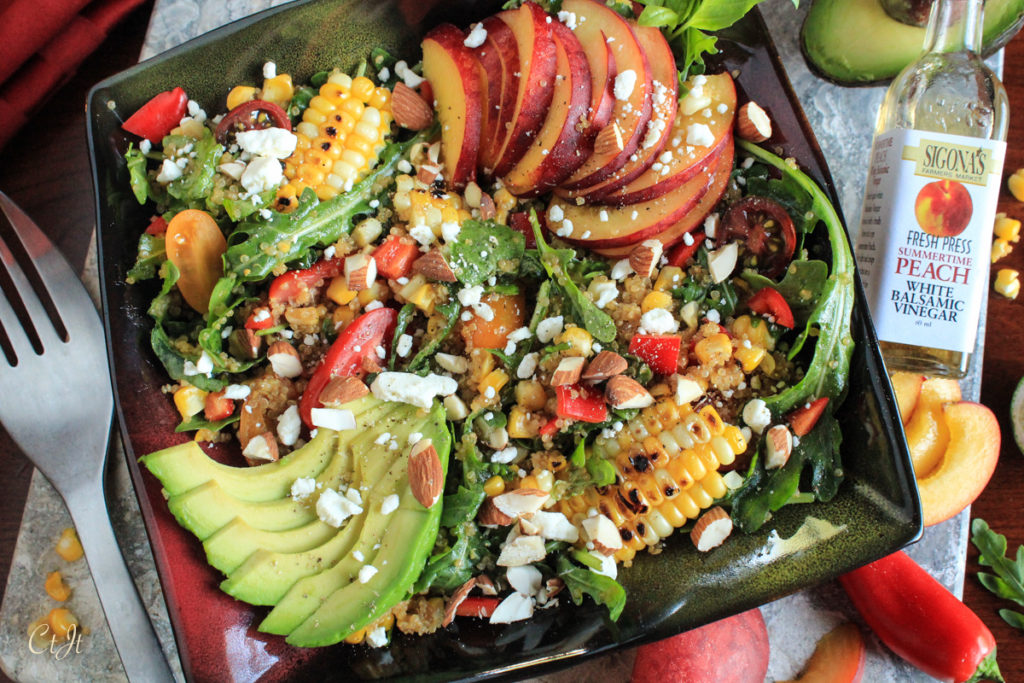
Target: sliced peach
{"type": "Point", "coordinates": [596, 26]}
{"type": "Point", "coordinates": [967, 463]}
{"type": "Point", "coordinates": [838, 657]}
{"type": "Point", "coordinates": [552, 156]}
{"type": "Point", "coordinates": [454, 76]}
{"type": "Point", "coordinates": [927, 436]}
{"type": "Point", "coordinates": [602, 79]}
{"type": "Point", "coordinates": [665, 101]}
{"type": "Point", "coordinates": [907, 387]}
{"type": "Point", "coordinates": [536, 81]}
{"type": "Point", "coordinates": [499, 57]}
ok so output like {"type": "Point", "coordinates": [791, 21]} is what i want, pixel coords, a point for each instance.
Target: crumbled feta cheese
{"type": "Point", "coordinates": [549, 328]}
{"type": "Point", "coordinates": [713, 315]}
{"type": "Point", "coordinates": [699, 135]}
{"type": "Point", "coordinates": [168, 171]}
{"type": "Point", "coordinates": [236, 392]}
{"type": "Point", "coordinates": [404, 166]}
{"type": "Point", "coordinates": [555, 213]}
{"type": "Point", "coordinates": [469, 296]}
{"type": "Point", "coordinates": [204, 366]}
{"type": "Point", "coordinates": [625, 81]}
{"type": "Point", "coordinates": [476, 37]}
{"type": "Point", "coordinates": [410, 77]}
{"type": "Point", "coordinates": [484, 311]}
{"type": "Point", "coordinates": [262, 174]}
{"type": "Point", "coordinates": [422, 234]}
{"type": "Point", "coordinates": [145, 146]}
{"type": "Point", "coordinates": [303, 487]}
{"type": "Point", "coordinates": [333, 509]}
{"type": "Point", "coordinates": [505, 455]}
{"type": "Point", "coordinates": [404, 345]}
{"type": "Point", "coordinates": [269, 70]}
{"type": "Point", "coordinates": [389, 504]}
{"type": "Point", "coordinates": [384, 74]}
{"type": "Point", "coordinates": [358, 555]}
{"type": "Point", "coordinates": [373, 306]}
{"type": "Point", "coordinates": [450, 231]}
{"type": "Point", "coordinates": [377, 637]}
{"type": "Point", "coordinates": [659, 321]}
{"type": "Point", "coordinates": [756, 415]}
{"type": "Point", "coordinates": [604, 292]}
{"type": "Point", "coordinates": [366, 572]}
{"type": "Point", "coordinates": [270, 142]}
{"type": "Point", "coordinates": [528, 365]}
{"type": "Point", "coordinates": [289, 425]}
{"type": "Point", "coordinates": [383, 438]}
{"type": "Point", "coordinates": [405, 387]}
{"type": "Point", "coordinates": [621, 269]}
{"type": "Point", "coordinates": [333, 418]}
{"type": "Point", "coordinates": [519, 334]}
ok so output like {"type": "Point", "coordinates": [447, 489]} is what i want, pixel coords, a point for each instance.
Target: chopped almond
{"type": "Point", "coordinates": [711, 530]}
{"type": "Point", "coordinates": [284, 359]}
{"type": "Point", "coordinates": [360, 272]}
{"type": "Point", "coordinates": [261, 449]}
{"type": "Point", "coordinates": [778, 446]}
{"type": "Point", "coordinates": [752, 123]}
{"type": "Point", "coordinates": [433, 266]}
{"type": "Point", "coordinates": [645, 256]}
{"type": "Point", "coordinates": [426, 475]}
{"type": "Point", "coordinates": [568, 371]}
{"type": "Point", "coordinates": [409, 108]}
{"type": "Point", "coordinates": [625, 392]}
{"type": "Point", "coordinates": [341, 390]}
{"type": "Point", "coordinates": [604, 365]}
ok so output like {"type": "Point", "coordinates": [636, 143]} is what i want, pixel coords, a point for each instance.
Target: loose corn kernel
{"type": "Point", "coordinates": [1016, 184]}
{"type": "Point", "coordinates": [1007, 228]}
{"type": "Point", "coordinates": [1007, 282]}
{"type": "Point", "coordinates": [668, 277]}
{"type": "Point", "coordinates": [342, 316]}
{"type": "Point", "coordinates": [491, 384]}
{"type": "Point", "coordinates": [495, 486]}
{"type": "Point", "coordinates": [528, 482]}
{"type": "Point", "coordinates": [713, 350]}
{"type": "Point", "coordinates": [192, 128]}
{"type": "Point", "coordinates": [56, 588]}
{"type": "Point", "coordinates": [753, 330]}
{"type": "Point", "coordinates": [241, 94]}
{"type": "Point", "coordinates": [189, 400]}
{"type": "Point", "coordinates": [1000, 249]}
{"type": "Point", "coordinates": [377, 292]}
{"type": "Point", "coordinates": [481, 363]}
{"type": "Point", "coordinates": [530, 394]}
{"type": "Point", "coordinates": [424, 298]}
{"type": "Point", "coordinates": [62, 622]}
{"type": "Point", "coordinates": [749, 358]}
{"type": "Point", "coordinates": [357, 637]}
{"type": "Point", "coordinates": [655, 299]}
{"type": "Point", "coordinates": [338, 291]}
{"type": "Point", "coordinates": [278, 89]}
{"type": "Point", "coordinates": [522, 424]}
{"type": "Point", "coordinates": [580, 342]}
{"type": "Point", "coordinates": [68, 545]}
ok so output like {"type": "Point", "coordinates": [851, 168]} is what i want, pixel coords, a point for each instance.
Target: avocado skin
{"type": "Point", "coordinates": [854, 42]}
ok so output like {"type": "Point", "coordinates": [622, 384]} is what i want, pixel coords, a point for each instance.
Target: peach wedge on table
{"type": "Point", "coordinates": [453, 73]}
{"type": "Point", "coordinates": [967, 463]}
{"type": "Point", "coordinates": [838, 658]}
{"type": "Point", "coordinates": [907, 388]}
{"type": "Point", "coordinates": [927, 435]}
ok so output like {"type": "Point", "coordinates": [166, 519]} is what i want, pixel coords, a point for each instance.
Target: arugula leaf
{"type": "Point", "coordinates": [801, 287]}
{"type": "Point", "coordinates": [1008, 580]}
{"type": "Point", "coordinates": [604, 590]}
{"type": "Point", "coordinates": [450, 311]}
{"type": "Point", "coordinates": [449, 569]}
{"type": "Point", "coordinates": [195, 184]}
{"type": "Point", "coordinates": [405, 316]}
{"type": "Point", "coordinates": [135, 160]}
{"type": "Point", "coordinates": [557, 264]}
{"type": "Point", "coordinates": [714, 15]}
{"type": "Point", "coordinates": [461, 507]}
{"type": "Point", "coordinates": [237, 209]}
{"type": "Point", "coordinates": [151, 254]}
{"type": "Point", "coordinates": [198, 422]}
{"type": "Point", "coordinates": [483, 249]}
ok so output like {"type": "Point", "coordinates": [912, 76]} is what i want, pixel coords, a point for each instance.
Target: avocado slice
{"type": "Point", "coordinates": [854, 42]}
{"type": "Point", "coordinates": [236, 541]}
{"type": "Point", "coordinates": [326, 608]}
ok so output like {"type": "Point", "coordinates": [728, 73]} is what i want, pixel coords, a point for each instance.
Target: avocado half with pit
{"type": "Point", "coordinates": [276, 551]}
{"type": "Point", "coordinates": [854, 42]}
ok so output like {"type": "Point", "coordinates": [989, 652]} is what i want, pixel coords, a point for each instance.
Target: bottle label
{"type": "Point", "coordinates": [925, 235]}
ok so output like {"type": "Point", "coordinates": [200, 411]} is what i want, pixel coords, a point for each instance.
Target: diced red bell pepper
{"type": "Point", "coordinates": [157, 226]}
{"type": "Point", "coordinates": [768, 302]}
{"type": "Point", "coordinates": [260, 319]}
{"type": "Point", "coordinates": [803, 419]}
{"type": "Point", "coordinates": [549, 427]}
{"type": "Point", "coordinates": [357, 342]}
{"type": "Point", "coordinates": [159, 116]}
{"type": "Point", "coordinates": [395, 257]}
{"type": "Point", "coordinates": [681, 253]}
{"type": "Point", "coordinates": [660, 351]}
{"type": "Point", "coordinates": [217, 407]}
{"type": "Point", "coordinates": [289, 287]}
{"type": "Point", "coordinates": [520, 222]}
{"type": "Point", "coordinates": [581, 402]}
{"type": "Point", "coordinates": [481, 607]}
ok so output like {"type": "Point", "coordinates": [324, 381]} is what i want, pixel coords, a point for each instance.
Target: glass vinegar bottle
{"type": "Point", "coordinates": [943, 123]}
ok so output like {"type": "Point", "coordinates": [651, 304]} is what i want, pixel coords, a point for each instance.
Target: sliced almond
{"type": "Point", "coordinates": [457, 599]}
{"type": "Point", "coordinates": [528, 528]}
{"type": "Point", "coordinates": [568, 371]}
{"type": "Point", "coordinates": [778, 446]}
{"type": "Point", "coordinates": [486, 585]}
{"type": "Point", "coordinates": [245, 343]}
{"type": "Point", "coordinates": [602, 533]}
{"type": "Point", "coordinates": [340, 390]}
{"type": "Point", "coordinates": [360, 272]}
{"type": "Point", "coordinates": [554, 586]}
{"type": "Point", "coordinates": [428, 173]}
{"type": "Point", "coordinates": [609, 141]}
{"type": "Point", "coordinates": [487, 208]}
{"type": "Point", "coordinates": [711, 530]}
{"type": "Point", "coordinates": [752, 123]}
{"type": "Point", "coordinates": [521, 502]}
{"type": "Point", "coordinates": [426, 476]}
{"type": "Point", "coordinates": [604, 365]}
{"type": "Point", "coordinates": [521, 550]}
{"type": "Point", "coordinates": [433, 266]}
{"type": "Point", "coordinates": [645, 256]}
{"type": "Point", "coordinates": [490, 515]}
{"type": "Point", "coordinates": [369, 364]}
{"type": "Point", "coordinates": [261, 449]}
{"type": "Point", "coordinates": [684, 389]}
{"type": "Point", "coordinates": [410, 110]}
{"type": "Point", "coordinates": [555, 526]}
{"type": "Point", "coordinates": [284, 359]}
{"type": "Point", "coordinates": [625, 392]}
{"type": "Point", "coordinates": [516, 607]}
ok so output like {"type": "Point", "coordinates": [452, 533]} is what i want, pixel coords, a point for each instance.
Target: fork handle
{"type": "Point", "coordinates": [130, 625]}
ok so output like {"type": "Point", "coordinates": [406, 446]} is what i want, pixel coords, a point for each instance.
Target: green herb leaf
{"type": "Point", "coordinates": [1008, 581]}
{"type": "Point", "coordinates": [198, 422]}
{"type": "Point", "coordinates": [405, 316]}
{"type": "Point", "coordinates": [714, 15]}
{"type": "Point", "coordinates": [195, 184]}
{"type": "Point", "coordinates": [482, 249]}
{"type": "Point", "coordinates": [150, 256]}
{"type": "Point", "coordinates": [654, 15]}
{"type": "Point", "coordinates": [604, 590]}
{"type": "Point", "coordinates": [450, 311]}
{"type": "Point", "coordinates": [135, 160]}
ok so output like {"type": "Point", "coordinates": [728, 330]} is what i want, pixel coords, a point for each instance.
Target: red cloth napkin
{"type": "Point", "coordinates": [42, 42]}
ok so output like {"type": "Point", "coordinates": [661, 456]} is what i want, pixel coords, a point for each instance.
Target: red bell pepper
{"type": "Point", "coordinates": [289, 287]}
{"type": "Point", "coordinates": [246, 116]}
{"type": "Point", "coordinates": [581, 402]}
{"type": "Point", "coordinates": [681, 253]}
{"type": "Point", "coordinates": [520, 222]}
{"type": "Point", "coordinates": [395, 256]}
{"type": "Point", "coordinates": [802, 420]}
{"type": "Point", "coordinates": [549, 427]}
{"type": "Point", "coordinates": [481, 607]}
{"type": "Point", "coordinates": [157, 226]}
{"type": "Point", "coordinates": [217, 407]}
{"type": "Point", "coordinates": [921, 621]}
{"type": "Point", "coordinates": [357, 342]}
{"type": "Point", "coordinates": [260, 319]}
{"type": "Point", "coordinates": [660, 351]}
{"type": "Point", "coordinates": [159, 116]}
{"type": "Point", "coordinates": [768, 302]}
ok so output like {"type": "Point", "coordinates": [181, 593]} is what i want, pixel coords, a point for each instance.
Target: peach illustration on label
{"type": "Point", "coordinates": [943, 208]}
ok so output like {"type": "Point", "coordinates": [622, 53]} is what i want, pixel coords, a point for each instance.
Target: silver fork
{"type": "Point", "coordinates": [56, 403]}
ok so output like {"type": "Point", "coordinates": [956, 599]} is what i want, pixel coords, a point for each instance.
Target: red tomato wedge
{"type": "Point", "coordinates": [660, 351]}
{"type": "Point", "coordinates": [581, 402]}
{"type": "Point", "coordinates": [250, 116]}
{"type": "Point", "coordinates": [217, 407]}
{"type": "Point", "coordinates": [260, 319]}
{"type": "Point", "coordinates": [291, 287]}
{"type": "Point", "coordinates": [196, 246]}
{"type": "Point", "coordinates": [159, 116]}
{"type": "Point", "coordinates": [772, 305]}
{"type": "Point", "coordinates": [395, 257]}
{"type": "Point", "coordinates": [345, 358]}
{"type": "Point", "coordinates": [157, 226]}
{"type": "Point", "coordinates": [803, 419]}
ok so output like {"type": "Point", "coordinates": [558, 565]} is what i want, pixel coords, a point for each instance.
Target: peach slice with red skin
{"type": "Point", "coordinates": [907, 388]}
{"type": "Point", "coordinates": [838, 657]}
{"type": "Point", "coordinates": [499, 58]}
{"type": "Point", "coordinates": [597, 27]}
{"type": "Point", "coordinates": [535, 82]}
{"type": "Point", "coordinates": [454, 76]}
{"type": "Point", "coordinates": [967, 463]}
{"type": "Point", "coordinates": [927, 435]}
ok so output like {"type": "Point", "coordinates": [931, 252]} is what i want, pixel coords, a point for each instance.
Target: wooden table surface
{"type": "Point", "coordinates": [45, 169]}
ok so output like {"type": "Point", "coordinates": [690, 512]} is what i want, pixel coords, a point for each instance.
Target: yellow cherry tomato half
{"type": "Point", "coordinates": [195, 245]}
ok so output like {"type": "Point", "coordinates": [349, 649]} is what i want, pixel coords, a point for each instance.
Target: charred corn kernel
{"type": "Point", "coordinates": [522, 424]}
{"type": "Point", "coordinates": [655, 299]}
{"type": "Point", "coordinates": [1007, 282]}
{"type": "Point", "coordinates": [241, 94]}
{"type": "Point", "coordinates": [1016, 184]}
{"type": "Point", "coordinates": [530, 394]}
{"type": "Point", "coordinates": [56, 588]}
{"type": "Point", "coordinates": [545, 480]}
{"type": "Point", "coordinates": [378, 291]}
{"type": "Point", "coordinates": [668, 277]}
{"type": "Point", "coordinates": [753, 330]}
{"type": "Point", "coordinates": [495, 486]}
{"type": "Point", "coordinates": [68, 545]}
{"type": "Point", "coordinates": [749, 358]}
{"type": "Point", "coordinates": [1007, 228]}
{"type": "Point", "coordinates": [339, 293]}
{"type": "Point", "coordinates": [1000, 249]}
{"type": "Point", "coordinates": [713, 350]}
{"type": "Point", "coordinates": [492, 384]}
{"type": "Point", "coordinates": [189, 400]}
{"type": "Point", "coordinates": [62, 622]}
{"type": "Point", "coordinates": [528, 482]}
{"type": "Point", "coordinates": [580, 342]}
{"type": "Point", "coordinates": [278, 89]}
{"type": "Point", "coordinates": [734, 435]}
